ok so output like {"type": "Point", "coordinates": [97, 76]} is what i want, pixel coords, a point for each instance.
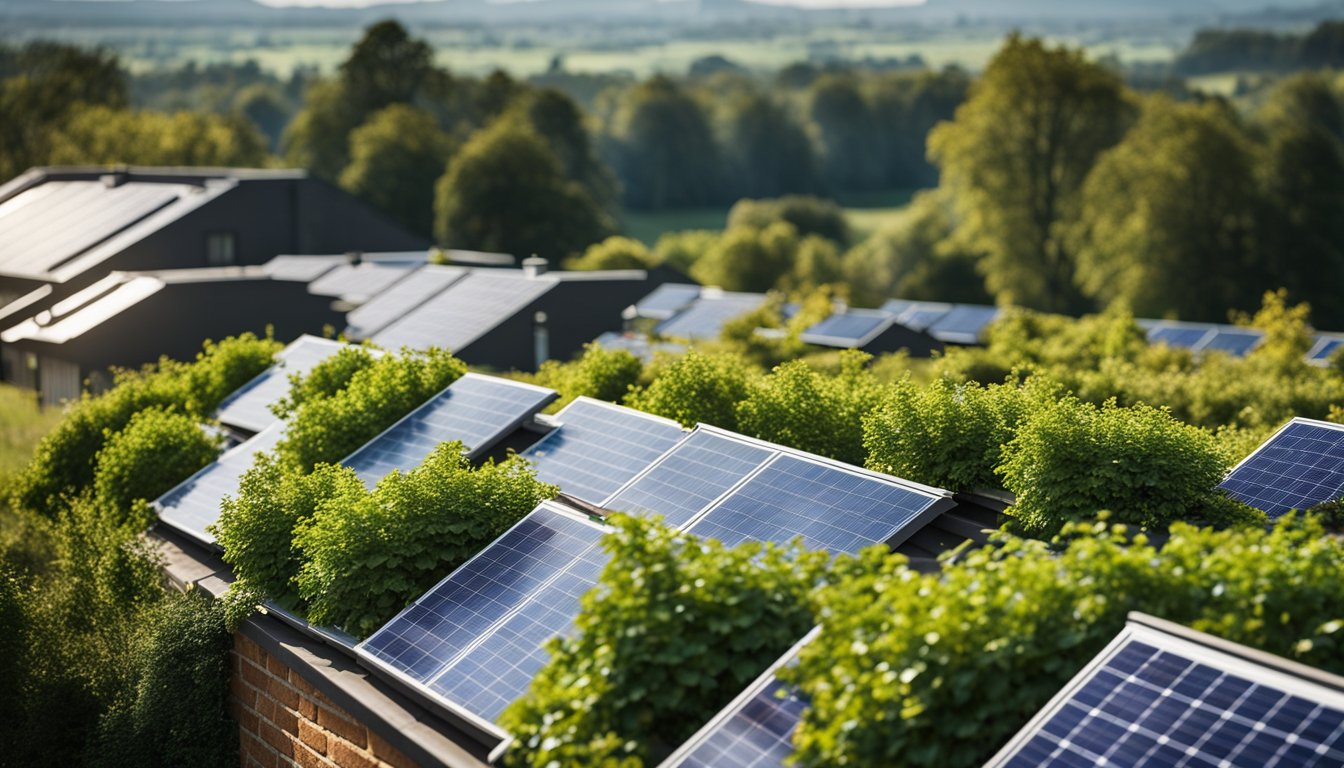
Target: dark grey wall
{"type": "Point", "coordinates": [898, 337]}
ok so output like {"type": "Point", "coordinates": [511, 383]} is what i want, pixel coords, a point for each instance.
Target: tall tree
{"type": "Point", "coordinates": [668, 157]}
{"type": "Point", "coordinates": [106, 136]}
{"type": "Point", "coordinates": [1015, 158]}
{"type": "Point", "coordinates": [1170, 209]}
{"type": "Point", "coordinates": [556, 118]}
{"type": "Point", "coordinates": [845, 134]}
{"type": "Point", "coordinates": [395, 159]}
{"type": "Point", "coordinates": [506, 191]}
{"type": "Point", "coordinates": [768, 151]}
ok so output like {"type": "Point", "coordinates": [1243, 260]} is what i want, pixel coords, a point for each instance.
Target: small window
{"type": "Point", "coordinates": [221, 249]}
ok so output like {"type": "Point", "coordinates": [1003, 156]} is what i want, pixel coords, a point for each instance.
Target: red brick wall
{"type": "Point", "coordinates": [283, 721]}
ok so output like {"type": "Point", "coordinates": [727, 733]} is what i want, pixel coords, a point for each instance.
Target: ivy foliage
{"type": "Point", "coordinates": [606, 374]}
{"type": "Point", "coordinates": [677, 626]}
{"type": "Point", "coordinates": [945, 434]}
{"type": "Point", "coordinates": [797, 405]}
{"type": "Point", "coordinates": [1072, 459]}
{"type": "Point", "coordinates": [697, 387]}
{"type": "Point", "coordinates": [154, 452]}
{"type": "Point", "coordinates": [941, 669]}
{"type": "Point", "coordinates": [64, 462]}
{"type": "Point", "coordinates": [365, 556]}
{"type": "Point", "coordinates": [328, 423]}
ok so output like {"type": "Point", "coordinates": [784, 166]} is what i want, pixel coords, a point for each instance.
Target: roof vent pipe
{"type": "Point", "coordinates": [114, 179]}
{"type": "Point", "coordinates": [541, 339]}
{"type": "Point", "coordinates": [354, 257]}
{"type": "Point", "coordinates": [534, 266]}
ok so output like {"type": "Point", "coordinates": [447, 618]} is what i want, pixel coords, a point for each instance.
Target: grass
{"type": "Point", "coordinates": [22, 425]}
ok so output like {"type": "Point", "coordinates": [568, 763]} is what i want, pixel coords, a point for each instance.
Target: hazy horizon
{"type": "Point", "coordinates": [798, 3]}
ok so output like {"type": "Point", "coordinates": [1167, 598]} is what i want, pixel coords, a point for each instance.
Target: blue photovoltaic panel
{"type": "Point", "coordinates": [897, 307]}
{"type": "Point", "coordinates": [250, 407]}
{"type": "Point", "coordinates": [706, 317]}
{"type": "Point", "coordinates": [194, 504]}
{"type": "Point", "coordinates": [1180, 336]}
{"type": "Point", "coordinates": [598, 447]}
{"type": "Point", "coordinates": [359, 282]}
{"type": "Point", "coordinates": [1326, 348]}
{"type": "Point", "coordinates": [1233, 341]}
{"type": "Point", "coordinates": [401, 297]}
{"type": "Point", "coordinates": [638, 345]}
{"type": "Point", "coordinates": [699, 470]}
{"type": "Point", "coordinates": [1300, 466]}
{"type": "Point", "coordinates": [852, 327]}
{"type": "Point", "coordinates": [463, 312]}
{"type": "Point", "coordinates": [830, 508]}
{"type": "Point", "coordinates": [423, 640]}
{"type": "Point", "coordinates": [922, 315]}
{"type": "Point", "coordinates": [476, 409]}
{"type": "Point", "coordinates": [1149, 705]}
{"type": "Point", "coordinates": [758, 733]}
{"type": "Point", "coordinates": [667, 300]}
{"type": "Point", "coordinates": [497, 670]}
{"type": "Point", "coordinates": [963, 323]}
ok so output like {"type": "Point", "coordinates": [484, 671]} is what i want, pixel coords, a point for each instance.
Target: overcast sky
{"type": "Point", "coordinates": [805, 3]}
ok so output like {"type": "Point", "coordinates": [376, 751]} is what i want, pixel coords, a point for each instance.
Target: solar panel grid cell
{"type": "Point", "coordinates": [359, 282]}
{"type": "Point", "coordinates": [249, 408]}
{"type": "Point", "coordinates": [759, 735]}
{"type": "Point", "coordinates": [400, 298]}
{"type": "Point", "coordinates": [1300, 466]}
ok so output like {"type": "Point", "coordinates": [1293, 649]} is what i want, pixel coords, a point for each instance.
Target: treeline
{"type": "Point", "coordinates": [1227, 50]}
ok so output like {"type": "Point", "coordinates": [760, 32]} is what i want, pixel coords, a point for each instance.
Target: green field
{"type": "Point", "coordinates": [22, 424]}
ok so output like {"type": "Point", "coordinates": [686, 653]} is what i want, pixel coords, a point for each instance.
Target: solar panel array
{"type": "Point", "coordinates": [705, 318]}
{"type": "Point", "coordinates": [399, 298]}
{"type": "Point", "coordinates": [852, 328]}
{"type": "Point", "coordinates": [194, 504]}
{"type": "Point", "coordinates": [1152, 699]}
{"type": "Point", "coordinates": [358, 283]}
{"type": "Point", "coordinates": [598, 447]}
{"type": "Point", "coordinates": [463, 632]}
{"type": "Point", "coordinates": [249, 407]}
{"type": "Point", "coordinates": [667, 300]}
{"type": "Point", "coordinates": [690, 477]}
{"type": "Point", "coordinates": [464, 311]}
{"type": "Point", "coordinates": [478, 410]}
{"type": "Point", "coordinates": [1300, 466]}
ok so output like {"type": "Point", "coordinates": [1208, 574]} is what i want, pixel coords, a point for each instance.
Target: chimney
{"type": "Point", "coordinates": [114, 179]}
{"type": "Point", "coordinates": [534, 266]}
{"type": "Point", "coordinates": [354, 258]}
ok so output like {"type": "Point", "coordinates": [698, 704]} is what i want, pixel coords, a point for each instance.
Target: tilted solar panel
{"type": "Point", "coordinates": [400, 298]}
{"type": "Point", "coordinates": [1233, 341]}
{"type": "Point", "coordinates": [830, 507]}
{"type": "Point", "coordinates": [1300, 466]}
{"type": "Point", "coordinates": [963, 324]}
{"type": "Point", "coordinates": [1184, 336]}
{"type": "Point", "coordinates": [897, 307]}
{"type": "Point", "coordinates": [304, 269]}
{"type": "Point", "coordinates": [1155, 699]}
{"type": "Point", "coordinates": [639, 345]}
{"type": "Point", "coordinates": [598, 447]}
{"type": "Point", "coordinates": [922, 314]}
{"type": "Point", "coordinates": [194, 504]}
{"type": "Point", "coordinates": [360, 282]}
{"type": "Point", "coordinates": [705, 318]}
{"type": "Point", "coordinates": [755, 730]}
{"type": "Point", "coordinates": [249, 407]}
{"type": "Point", "coordinates": [1324, 349]}
{"type": "Point", "coordinates": [689, 477]}
{"type": "Point", "coordinates": [461, 313]}
{"type": "Point", "coordinates": [667, 300]}
{"type": "Point", "coordinates": [478, 410]}
{"type": "Point", "coordinates": [850, 329]}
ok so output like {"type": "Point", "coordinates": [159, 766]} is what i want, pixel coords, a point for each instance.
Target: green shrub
{"type": "Point", "coordinates": [606, 374]}
{"type": "Point", "coordinates": [327, 429]}
{"type": "Point", "coordinates": [1073, 459]}
{"type": "Point", "coordinates": [256, 526]}
{"type": "Point", "coordinates": [800, 407]}
{"type": "Point", "coordinates": [677, 626]}
{"type": "Point", "coordinates": [697, 387]}
{"type": "Point", "coordinates": [221, 368]}
{"type": "Point", "coordinates": [946, 434]}
{"type": "Point", "coordinates": [616, 252]}
{"type": "Point", "coordinates": [154, 452]}
{"type": "Point", "coordinates": [365, 557]}
{"type": "Point", "coordinates": [324, 379]}
{"type": "Point", "coordinates": [941, 669]}
{"type": "Point", "coordinates": [809, 215]}
{"type": "Point", "coordinates": [176, 711]}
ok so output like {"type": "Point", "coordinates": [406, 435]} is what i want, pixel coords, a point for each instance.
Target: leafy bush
{"type": "Point", "coordinates": [327, 429]}
{"type": "Point", "coordinates": [606, 374]}
{"type": "Point", "coordinates": [808, 215]}
{"type": "Point", "coordinates": [324, 379]}
{"type": "Point", "coordinates": [154, 452]}
{"type": "Point", "coordinates": [616, 252]}
{"type": "Point", "coordinates": [697, 387]}
{"type": "Point", "coordinates": [1072, 460]}
{"type": "Point", "coordinates": [945, 433]}
{"type": "Point", "coordinates": [677, 626]}
{"type": "Point", "coordinates": [941, 669]}
{"type": "Point", "coordinates": [176, 711]}
{"type": "Point", "coordinates": [63, 464]}
{"type": "Point", "coordinates": [256, 527]}
{"type": "Point", "coordinates": [798, 406]}
{"type": "Point", "coordinates": [366, 556]}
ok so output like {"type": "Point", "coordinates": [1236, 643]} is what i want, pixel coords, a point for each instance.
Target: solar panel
{"type": "Point", "coordinates": [638, 345]}
{"type": "Point", "coordinates": [460, 314]}
{"type": "Point", "coordinates": [359, 282]}
{"type": "Point", "coordinates": [478, 410]}
{"type": "Point", "coordinates": [598, 447]}
{"type": "Point", "coordinates": [1185, 336]}
{"type": "Point", "coordinates": [755, 730]}
{"type": "Point", "coordinates": [1233, 341]}
{"type": "Point", "coordinates": [852, 328]}
{"type": "Point", "coordinates": [689, 477]}
{"type": "Point", "coordinates": [1325, 348]}
{"type": "Point", "coordinates": [303, 269]}
{"type": "Point", "coordinates": [705, 318]}
{"type": "Point", "coordinates": [831, 508]}
{"type": "Point", "coordinates": [1154, 699]}
{"type": "Point", "coordinates": [897, 307]}
{"type": "Point", "coordinates": [194, 504]}
{"type": "Point", "coordinates": [401, 297]}
{"type": "Point", "coordinates": [666, 300]}
{"type": "Point", "coordinates": [1300, 466]}
{"type": "Point", "coordinates": [249, 407]}
{"type": "Point", "coordinates": [963, 324]}
{"type": "Point", "coordinates": [922, 314]}
{"type": "Point", "coordinates": [439, 627]}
